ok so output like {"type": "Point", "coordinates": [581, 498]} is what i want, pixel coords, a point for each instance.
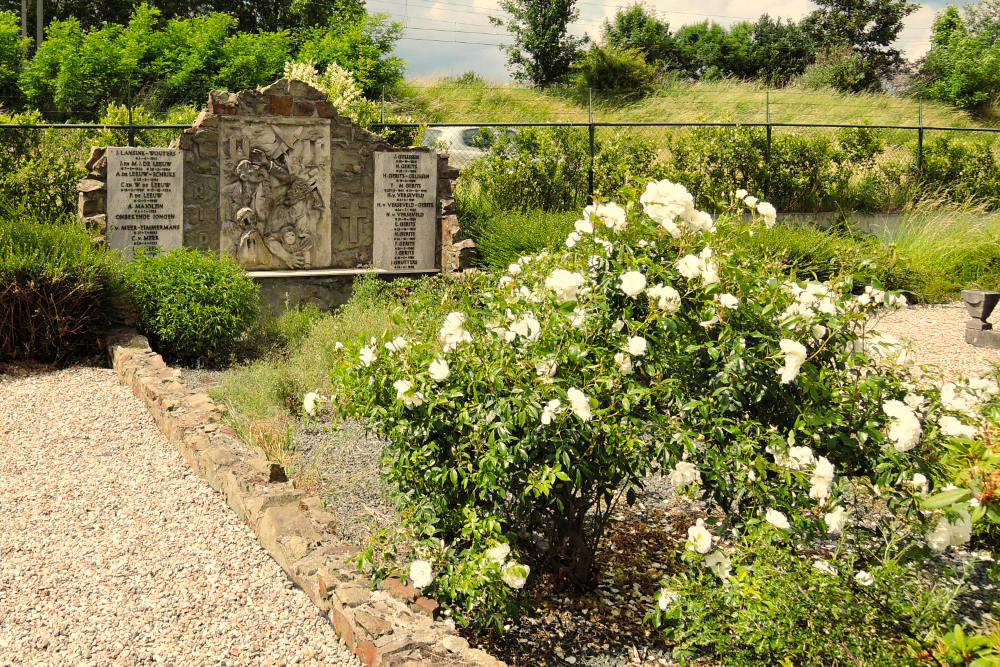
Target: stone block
{"type": "Point", "coordinates": [342, 623]}
{"type": "Point", "coordinates": [425, 606]}
{"type": "Point", "coordinates": [325, 110]}
{"type": "Point", "coordinates": [96, 160]}
{"type": "Point", "coordinates": [303, 108]}
{"type": "Point", "coordinates": [281, 105]}
{"type": "Point", "coordinates": [222, 103]}
{"type": "Point", "coordinates": [275, 529]}
{"type": "Point", "coordinates": [272, 472]}
{"type": "Point", "coordinates": [374, 626]}
{"type": "Point", "coordinates": [251, 103]}
{"type": "Point", "coordinates": [351, 595]}
{"type": "Point", "coordinates": [367, 653]}
{"type": "Point", "coordinates": [454, 643]}
{"type": "Point", "coordinates": [302, 90]}
{"type": "Point", "coordinates": [206, 119]}
{"type": "Point", "coordinates": [985, 338]}
{"type": "Point", "coordinates": [397, 589]}
{"type": "Point", "coordinates": [279, 87]}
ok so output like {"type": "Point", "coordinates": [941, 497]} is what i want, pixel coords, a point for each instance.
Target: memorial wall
{"type": "Point", "coordinates": [303, 198]}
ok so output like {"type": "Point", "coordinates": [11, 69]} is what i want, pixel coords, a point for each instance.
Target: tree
{"type": "Point", "coordinates": [781, 50]}
{"type": "Point", "coordinates": [637, 28]}
{"type": "Point", "coordinates": [543, 50]}
{"type": "Point", "coordinates": [868, 27]}
{"type": "Point", "coordinates": [12, 50]}
{"type": "Point", "coordinates": [270, 16]}
{"type": "Point", "coordinates": [963, 65]}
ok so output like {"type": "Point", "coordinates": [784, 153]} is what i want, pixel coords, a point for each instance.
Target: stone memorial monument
{"type": "Point", "coordinates": [303, 198]}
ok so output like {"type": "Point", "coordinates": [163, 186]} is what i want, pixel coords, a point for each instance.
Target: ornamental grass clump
{"type": "Point", "coordinates": [523, 416]}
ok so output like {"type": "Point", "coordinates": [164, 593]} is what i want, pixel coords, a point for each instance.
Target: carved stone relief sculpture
{"type": "Point", "coordinates": [275, 193]}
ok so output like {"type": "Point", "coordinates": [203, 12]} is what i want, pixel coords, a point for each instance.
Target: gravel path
{"type": "Point", "coordinates": [112, 552]}
{"type": "Point", "coordinates": [938, 336]}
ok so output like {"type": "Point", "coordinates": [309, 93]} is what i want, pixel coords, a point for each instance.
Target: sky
{"type": "Point", "coordinates": [450, 37]}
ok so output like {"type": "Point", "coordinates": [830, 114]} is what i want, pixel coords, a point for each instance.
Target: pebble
{"type": "Point", "coordinates": [113, 553]}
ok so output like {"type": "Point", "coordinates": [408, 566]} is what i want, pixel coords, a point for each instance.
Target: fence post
{"type": "Point", "coordinates": [920, 139]}
{"type": "Point", "coordinates": [128, 103]}
{"type": "Point", "coordinates": [590, 127]}
{"type": "Point", "coordinates": [383, 106]}
{"type": "Point", "coordinates": [767, 150]}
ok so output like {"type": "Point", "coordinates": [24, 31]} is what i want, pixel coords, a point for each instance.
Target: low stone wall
{"type": "Point", "coordinates": [391, 626]}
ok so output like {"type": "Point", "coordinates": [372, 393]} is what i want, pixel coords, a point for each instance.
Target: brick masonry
{"type": "Point", "coordinates": [394, 625]}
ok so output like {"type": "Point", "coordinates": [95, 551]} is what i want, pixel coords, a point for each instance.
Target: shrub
{"type": "Point", "coordinates": [12, 50]}
{"type": "Point", "coordinates": [40, 168]}
{"type": "Point", "coordinates": [534, 168]}
{"type": "Point", "coordinates": [781, 609]}
{"type": "Point", "coordinates": [58, 288]}
{"type": "Point", "coordinates": [965, 170]}
{"type": "Point", "coordinates": [192, 305]}
{"type": "Point", "coordinates": [617, 75]}
{"type": "Point", "coordinates": [514, 424]}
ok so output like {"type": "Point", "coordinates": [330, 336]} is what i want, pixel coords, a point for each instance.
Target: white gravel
{"type": "Point", "coordinates": [938, 336]}
{"type": "Point", "coordinates": [113, 552]}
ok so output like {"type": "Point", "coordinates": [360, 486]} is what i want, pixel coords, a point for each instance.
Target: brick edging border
{"type": "Point", "coordinates": [394, 625]}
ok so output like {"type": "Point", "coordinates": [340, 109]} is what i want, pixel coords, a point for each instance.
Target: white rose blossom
{"type": "Point", "coordinates": [666, 297]}
{"type": "Point", "coordinates": [864, 578]}
{"type": "Point", "coordinates": [453, 331]}
{"type": "Point", "coordinates": [835, 520]}
{"type": "Point", "coordinates": [515, 574]}
{"type": "Point", "coordinates": [579, 404]}
{"type": "Point", "coordinates": [438, 370]}
{"type": "Point", "coordinates": [565, 284]}
{"type": "Point", "coordinates": [666, 598]}
{"type": "Point", "coordinates": [549, 411]}
{"type": "Point", "coordinates": [498, 553]}
{"type": "Point", "coordinates": [684, 473]}
{"type": "Point", "coordinates": [309, 403]}
{"type": "Point", "coordinates": [768, 213]}
{"type": "Point", "coordinates": [719, 564]}
{"type": "Point", "coordinates": [367, 355]}
{"type": "Point", "coordinates": [699, 539]}
{"type": "Point", "coordinates": [396, 344]}
{"type": "Point", "coordinates": [727, 300]}
{"type": "Point", "coordinates": [904, 429]}
{"type": "Point", "coordinates": [624, 363]}
{"type": "Point", "coordinates": [777, 519]}
{"type": "Point", "coordinates": [405, 393]}
{"type": "Point", "coordinates": [636, 346]}
{"type": "Point", "coordinates": [421, 575]}
{"type": "Point", "coordinates": [953, 427]}
{"type": "Point", "coordinates": [795, 356]}
{"type": "Point", "coordinates": [632, 283]}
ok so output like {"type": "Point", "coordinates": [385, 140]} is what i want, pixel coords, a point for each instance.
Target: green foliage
{"type": "Point", "coordinates": [963, 65]}
{"type": "Point", "coordinates": [637, 28]}
{"type": "Point", "coordinates": [618, 75]}
{"type": "Point", "coordinates": [966, 170]}
{"type": "Point", "coordinates": [534, 168]}
{"type": "Point", "coordinates": [867, 28]}
{"type": "Point", "coordinates": [12, 51]}
{"type": "Point", "coordinates": [76, 73]}
{"type": "Point", "coordinates": [546, 169]}
{"type": "Point", "coordinates": [251, 17]}
{"type": "Point", "coordinates": [543, 50]}
{"type": "Point", "coordinates": [363, 46]}
{"type": "Point", "coordinates": [779, 609]}
{"type": "Point", "coordinates": [781, 51]}
{"type": "Point", "coordinates": [40, 168]}
{"type": "Point", "coordinates": [58, 288]}
{"type": "Point", "coordinates": [193, 306]}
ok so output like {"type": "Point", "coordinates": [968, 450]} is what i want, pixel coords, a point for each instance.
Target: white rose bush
{"type": "Point", "coordinates": [645, 343]}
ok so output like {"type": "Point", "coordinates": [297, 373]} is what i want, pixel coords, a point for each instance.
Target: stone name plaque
{"type": "Point", "coordinates": [405, 211]}
{"type": "Point", "coordinates": [145, 198]}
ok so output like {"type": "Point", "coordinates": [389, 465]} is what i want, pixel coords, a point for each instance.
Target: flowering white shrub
{"type": "Point", "coordinates": [339, 86]}
{"type": "Point", "coordinates": [559, 385]}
